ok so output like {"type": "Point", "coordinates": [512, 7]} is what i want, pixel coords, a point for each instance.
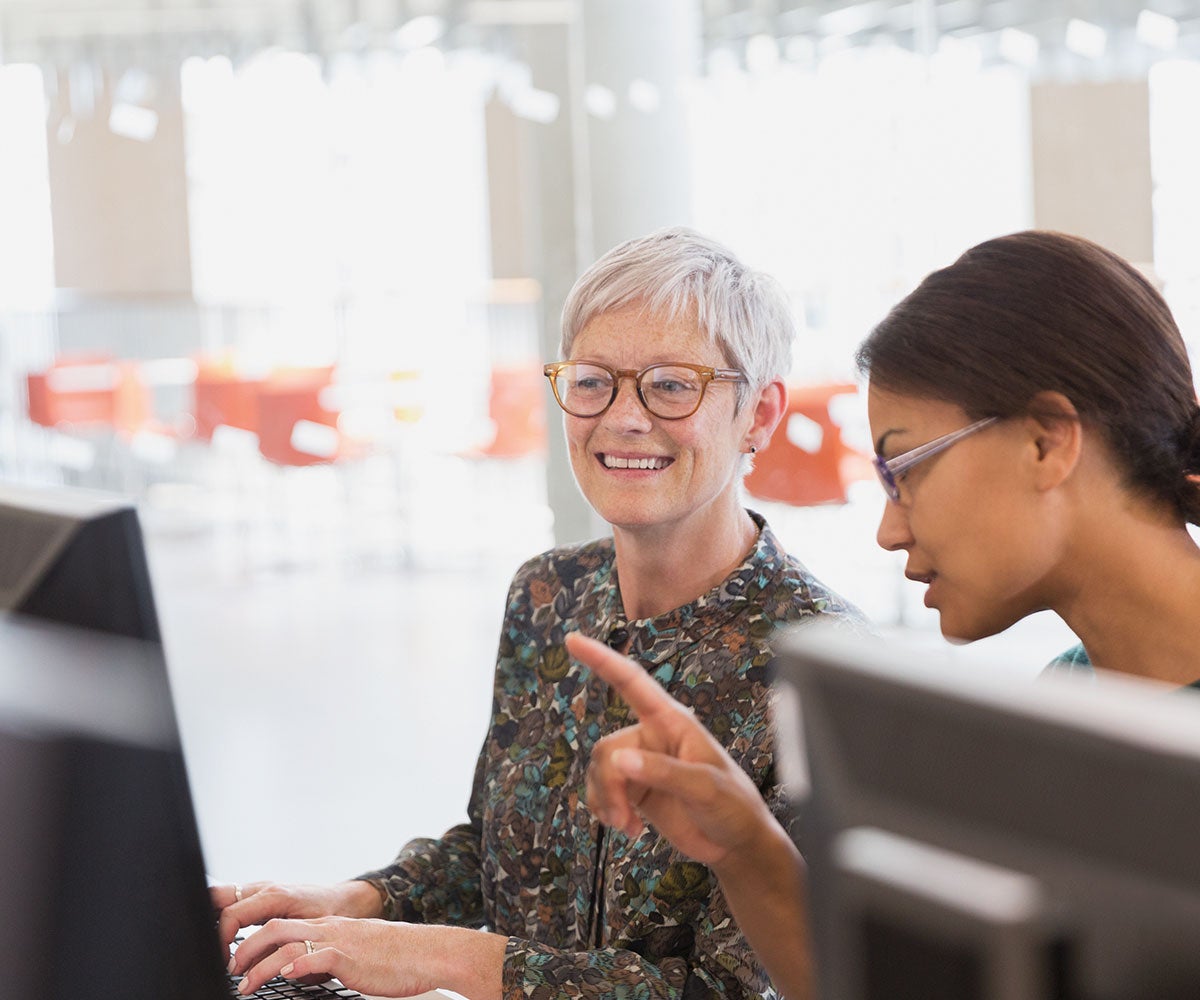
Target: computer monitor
{"type": "Point", "coordinates": [75, 556]}
{"type": "Point", "coordinates": [972, 834]}
{"type": "Point", "coordinates": [103, 894]}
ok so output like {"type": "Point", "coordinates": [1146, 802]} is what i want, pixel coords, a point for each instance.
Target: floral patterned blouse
{"type": "Point", "coordinates": [588, 911]}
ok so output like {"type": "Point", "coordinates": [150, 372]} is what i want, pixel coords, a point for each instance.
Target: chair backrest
{"type": "Point", "coordinates": [517, 408]}
{"type": "Point", "coordinates": [806, 462]}
{"type": "Point", "coordinates": [89, 391]}
{"type": "Point", "coordinates": [288, 402]}
{"type": "Point", "coordinates": [221, 397]}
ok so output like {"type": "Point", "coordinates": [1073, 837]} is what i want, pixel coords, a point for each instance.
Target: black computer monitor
{"type": "Point", "coordinates": [973, 834]}
{"type": "Point", "coordinates": [103, 894]}
{"type": "Point", "coordinates": [75, 556]}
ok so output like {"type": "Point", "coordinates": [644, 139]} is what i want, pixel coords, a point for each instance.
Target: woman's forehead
{"type": "Point", "coordinates": [888, 409]}
{"type": "Point", "coordinates": [634, 328]}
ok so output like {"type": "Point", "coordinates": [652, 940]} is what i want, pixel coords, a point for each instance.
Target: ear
{"type": "Point", "coordinates": [768, 410]}
{"type": "Point", "coordinates": [1056, 434]}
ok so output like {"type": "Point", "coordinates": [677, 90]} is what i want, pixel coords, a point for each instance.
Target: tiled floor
{"type": "Point", "coordinates": [332, 696]}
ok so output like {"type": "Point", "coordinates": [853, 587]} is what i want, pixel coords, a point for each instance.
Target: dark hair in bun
{"type": "Point", "coordinates": [1038, 311]}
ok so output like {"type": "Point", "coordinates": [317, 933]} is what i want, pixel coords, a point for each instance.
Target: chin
{"type": "Point", "coordinates": [960, 632]}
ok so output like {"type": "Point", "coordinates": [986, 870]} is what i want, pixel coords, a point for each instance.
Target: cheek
{"type": "Point", "coordinates": [1004, 548]}
{"type": "Point", "coordinates": [576, 433]}
{"type": "Point", "coordinates": [713, 443]}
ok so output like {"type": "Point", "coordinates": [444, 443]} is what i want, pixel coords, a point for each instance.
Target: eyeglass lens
{"type": "Point", "coordinates": [667, 390]}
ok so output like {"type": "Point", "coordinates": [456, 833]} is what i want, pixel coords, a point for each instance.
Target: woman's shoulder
{"type": "Point", "coordinates": [567, 563]}
{"type": "Point", "coordinates": [797, 586]}
{"type": "Point", "coordinates": [1072, 661]}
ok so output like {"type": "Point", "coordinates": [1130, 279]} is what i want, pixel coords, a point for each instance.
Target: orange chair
{"type": "Point", "coordinates": [222, 397]}
{"type": "Point", "coordinates": [787, 470]}
{"type": "Point", "coordinates": [517, 408]}
{"type": "Point", "coordinates": [89, 391]}
{"type": "Point", "coordinates": [291, 397]}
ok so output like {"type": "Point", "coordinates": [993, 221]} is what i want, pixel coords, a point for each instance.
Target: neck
{"type": "Point", "coordinates": [663, 567]}
{"type": "Point", "coordinates": [1135, 602]}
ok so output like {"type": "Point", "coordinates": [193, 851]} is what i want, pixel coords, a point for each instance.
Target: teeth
{"type": "Point", "coordinates": [613, 462]}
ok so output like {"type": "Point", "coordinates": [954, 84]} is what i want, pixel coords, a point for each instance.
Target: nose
{"type": "Point", "coordinates": [894, 531]}
{"type": "Point", "coordinates": [627, 410]}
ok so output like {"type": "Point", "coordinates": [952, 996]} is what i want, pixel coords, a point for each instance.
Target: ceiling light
{"type": "Point", "coordinates": [1019, 47]}
{"type": "Point", "coordinates": [133, 122]}
{"type": "Point", "coordinates": [644, 96]}
{"type": "Point", "coordinates": [1085, 38]}
{"type": "Point", "coordinates": [534, 105]}
{"type": "Point", "coordinates": [134, 87]}
{"type": "Point", "coordinates": [600, 101]}
{"type": "Point", "coordinates": [1157, 30]}
{"type": "Point", "coordinates": [419, 32]}
{"type": "Point", "coordinates": [762, 54]}
{"type": "Point", "coordinates": [850, 20]}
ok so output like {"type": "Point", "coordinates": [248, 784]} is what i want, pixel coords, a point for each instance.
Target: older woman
{"type": "Point", "coordinates": [674, 355]}
{"type": "Point", "coordinates": [1038, 437]}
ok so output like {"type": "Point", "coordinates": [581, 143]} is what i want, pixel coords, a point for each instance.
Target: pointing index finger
{"type": "Point", "coordinates": [644, 695]}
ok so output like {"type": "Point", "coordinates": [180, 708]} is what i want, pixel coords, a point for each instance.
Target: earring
{"type": "Point", "coordinates": [753, 450]}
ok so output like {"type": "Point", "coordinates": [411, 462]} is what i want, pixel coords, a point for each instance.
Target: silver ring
{"type": "Point", "coordinates": [237, 892]}
{"type": "Point", "coordinates": [308, 947]}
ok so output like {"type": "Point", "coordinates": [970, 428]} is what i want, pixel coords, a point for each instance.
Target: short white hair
{"type": "Point", "coordinates": [744, 312]}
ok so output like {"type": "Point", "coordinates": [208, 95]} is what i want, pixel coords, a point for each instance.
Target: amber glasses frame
{"type": "Point", "coordinates": [707, 373]}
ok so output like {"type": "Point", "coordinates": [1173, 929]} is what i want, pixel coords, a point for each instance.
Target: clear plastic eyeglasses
{"type": "Point", "coordinates": [670, 391]}
{"type": "Point", "coordinates": [889, 469]}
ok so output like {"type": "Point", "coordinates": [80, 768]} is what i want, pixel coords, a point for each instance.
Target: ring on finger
{"type": "Point", "coordinates": [308, 947]}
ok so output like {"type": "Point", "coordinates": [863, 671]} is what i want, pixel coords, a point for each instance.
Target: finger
{"type": "Point", "coordinates": [608, 792]}
{"type": "Point", "coordinates": [695, 783]}
{"type": "Point", "coordinates": [644, 695]}
{"type": "Point", "coordinates": [609, 807]}
{"type": "Point", "coordinates": [272, 936]}
{"type": "Point", "coordinates": [234, 892]}
{"type": "Point", "coordinates": [253, 910]}
{"type": "Point", "coordinates": [271, 966]}
{"type": "Point", "coordinates": [316, 966]}
{"type": "Point", "coordinates": [222, 895]}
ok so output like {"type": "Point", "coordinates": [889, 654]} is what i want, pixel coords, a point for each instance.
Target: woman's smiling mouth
{"type": "Point", "coordinates": [652, 462]}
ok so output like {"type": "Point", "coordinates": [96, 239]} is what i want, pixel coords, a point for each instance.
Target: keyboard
{"type": "Point", "coordinates": [285, 989]}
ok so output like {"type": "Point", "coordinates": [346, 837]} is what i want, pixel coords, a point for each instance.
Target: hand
{"type": "Point", "coordinates": [668, 768]}
{"type": "Point", "coordinates": [379, 957]}
{"type": "Point", "coordinates": [372, 956]}
{"type": "Point", "coordinates": [263, 901]}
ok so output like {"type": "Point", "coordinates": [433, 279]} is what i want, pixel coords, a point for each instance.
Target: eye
{"type": "Point", "coordinates": [591, 383]}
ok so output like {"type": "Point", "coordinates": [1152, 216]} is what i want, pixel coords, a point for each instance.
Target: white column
{"type": "Point", "coordinates": [565, 191]}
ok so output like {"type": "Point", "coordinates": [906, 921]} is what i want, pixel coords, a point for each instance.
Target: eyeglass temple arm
{"type": "Point", "coordinates": [906, 461]}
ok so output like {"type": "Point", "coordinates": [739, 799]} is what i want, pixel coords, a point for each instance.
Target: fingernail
{"type": "Point", "coordinates": [232, 964]}
{"type": "Point", "coordinates": [629, 761]}
{"type": "Point", "coordinates": [244, 987]}
{"type": "Point", "coordinates": [287, 969]}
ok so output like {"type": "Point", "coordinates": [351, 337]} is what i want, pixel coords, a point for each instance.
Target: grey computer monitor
{"type": "Point", "coordinates": [103, 892]}
{"type": "Point", "coordinates": [75, 556]}
{"type": "Point", "coordinates": [972, 834]}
